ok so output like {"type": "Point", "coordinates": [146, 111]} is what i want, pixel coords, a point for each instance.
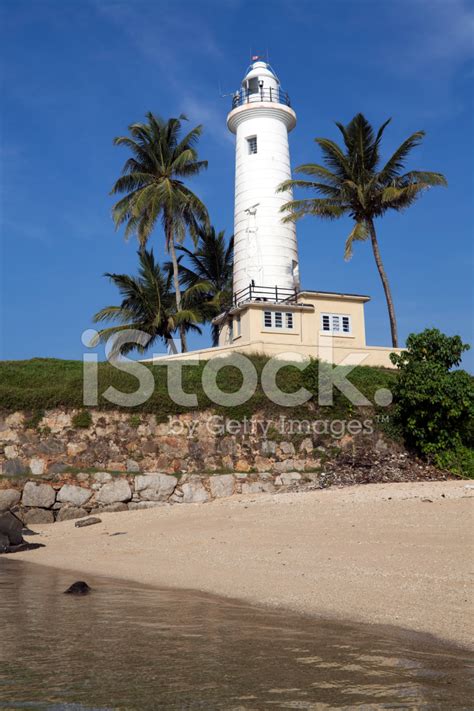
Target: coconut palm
{"type": "Point", "coordinates": [152, 181]}
{"type": "Point", "coordinates": [208, 278]}
{"type": "Point", "coordinates": [148, 305]}
{"type": "Point", "coordinates": [353, 182]}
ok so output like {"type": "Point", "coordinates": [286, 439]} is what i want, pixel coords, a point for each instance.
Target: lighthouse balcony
{"type": "Point", "coordinates": [268, 94]}
{"type": "Point", "coordinates": [271, 294]}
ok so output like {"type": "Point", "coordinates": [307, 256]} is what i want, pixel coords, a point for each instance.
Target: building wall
{"type": "Point", "coordinates": [305, 339]}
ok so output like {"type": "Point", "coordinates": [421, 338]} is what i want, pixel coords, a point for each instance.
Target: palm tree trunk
{"type": "Point", "coordinates": [177, 288]}
{"type": "Point", "coordinates": [386, 287]}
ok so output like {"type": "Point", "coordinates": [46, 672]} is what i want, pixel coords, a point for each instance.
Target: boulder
{"type": "Point", "coordinates": [75, 495]}
{"type": "Point", "coordinates": [38, 516]}
{"type": "Point", "coordinates": [82, 477]}
{"type": "Point", "coordinates": [8, 499]}
{"type": "Point", "coordinates": [258, 487]}
{"type": "Point", "coordinates": [11, 528]}
{"type": "Point", "coordinates": [132, 466]}
{"type": "Point", "coordinates": [263, 464]}
{"type": "Point", "coordinates": [287, 448]}
{"type": "Point", "coordinates": [78, 588]}
{"type": "Point", "coordinates": [155, 487]}
{"type": "Point", "coordinates": [221, 485]}
{"type": "Point", "coordinates": [14, 466]}
{"type": "Point", "coordinates": [290, 478]}
{"type": "Point", "coordinates": [38, 495]}
{"type": "Point", "coordinates": [87, 521]}
{"type": "Point", "coordinates": [11, 451]}
{"type": "Point", "coordinates": [306, 445]}
{"type": "Point", "coordinates": [68, 513]}
{"type": "Point", "coordinates": [37, 466]}
{"type": "Point", "coordinates": [102, 477]}
{"type": "Point", "coordinates": [114, 492]}
{"type": "Point", "coordinates": [194, 492]}
{"type": "Point", "coordinates": [288, 465]}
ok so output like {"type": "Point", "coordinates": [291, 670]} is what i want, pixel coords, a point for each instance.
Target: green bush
{"type": "Point", "coordinates": [435, 404]}
{"type": "Point", "coordinates": [458, 461]}
{"type": "Point", "coordinates": [82, 419]}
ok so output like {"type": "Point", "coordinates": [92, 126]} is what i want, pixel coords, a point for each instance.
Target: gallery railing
{"type": "Point", "coordinates": [276, 96]}
{"type": "Point", "coordinates": [274, 294]}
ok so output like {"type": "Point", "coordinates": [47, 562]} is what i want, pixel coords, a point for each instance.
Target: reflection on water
{"type": "Point", "coordinates": [131, 647]}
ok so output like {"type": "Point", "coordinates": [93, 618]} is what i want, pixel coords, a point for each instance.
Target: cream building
{"type": "Point", "coordinates": [270, 313]}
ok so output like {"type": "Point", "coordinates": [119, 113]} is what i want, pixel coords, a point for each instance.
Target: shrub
{"type": "Point", "coordinates": [82, 419]}
{"type": "Point", "coordinates": [458, 461]}
{"type": "Point", "coordinates": [435, 405]}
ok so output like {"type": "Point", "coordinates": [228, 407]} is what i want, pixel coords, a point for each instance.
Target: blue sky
{"type": "Point", "coordinates": [76, 73]}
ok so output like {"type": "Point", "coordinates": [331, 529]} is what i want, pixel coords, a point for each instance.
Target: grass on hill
{"type": "Point", "coordinates": [44, 383]}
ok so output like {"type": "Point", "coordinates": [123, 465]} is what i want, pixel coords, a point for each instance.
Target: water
{"type": "Point", "coordinates": [130, 647]}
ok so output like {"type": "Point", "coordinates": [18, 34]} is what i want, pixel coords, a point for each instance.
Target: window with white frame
{"type": "Point", "coordinates": [252, 144]}
{"type": "Point", "coordinates": [336, 324]}
{"type": "Point", "coordinates": [278, 320]}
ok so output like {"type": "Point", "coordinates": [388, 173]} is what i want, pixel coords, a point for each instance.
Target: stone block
{"type": "Point", "coordinates": [221, 485]}
{"type": "Point", "coordinates": [75, 495]}
{"type": "Point", "coordinates": [194, 493]}
{"type": "Point", "coordinates": [155, 486]}
{"type": "Point", "coordinates": [68, 513]}
{"type": "Point", "coordinates": [38, 516]}
{"type": "Point", "coordinates": [114, 492]}
{"type": "Point", "coordinates": [9, 498]}
{"type": "Point", "coordinates": [38, 495]}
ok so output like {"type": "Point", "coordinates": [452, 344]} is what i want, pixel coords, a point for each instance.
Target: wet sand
{"type": "Point", "coordinates": [398, 554]}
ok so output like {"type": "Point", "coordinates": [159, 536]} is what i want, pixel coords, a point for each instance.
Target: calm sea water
{"type": "Point", "coordinates": [131, 647]}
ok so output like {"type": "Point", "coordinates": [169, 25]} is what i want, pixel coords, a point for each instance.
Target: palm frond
{"type": "Point", "coordinates": [359, 233]}
{"type": "Point", "coordinates": [396, 162]}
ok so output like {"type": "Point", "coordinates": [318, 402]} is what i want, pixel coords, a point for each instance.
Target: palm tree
{"type": "Point", "coordinates": [352, 182]}
{"type": "Point", "coordinates": [152, 180]}
{"type": "Point", "coordinates": [208, 278]}
{"type": "Point", "coordinates": [148, 305]}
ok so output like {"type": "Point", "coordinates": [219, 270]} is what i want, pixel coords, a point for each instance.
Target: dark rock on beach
{"type": "Point", "coordinates": [11, 534]}
{"type": "Point", "coordinates": [11, 527]}
{"type": "Point", "coordinates": [78, 588]}
{"type": "Point", "coordinates": [87, 521]}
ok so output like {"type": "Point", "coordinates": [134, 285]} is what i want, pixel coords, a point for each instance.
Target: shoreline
{"type": "Point", "coordinates": [383, 554]}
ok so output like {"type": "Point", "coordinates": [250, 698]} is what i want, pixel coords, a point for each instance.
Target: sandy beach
{"type": "Point", "coordinates": [396, 554]}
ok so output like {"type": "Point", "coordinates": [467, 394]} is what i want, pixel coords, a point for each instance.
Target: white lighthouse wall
{"type": "Point", "coordinates": [265, 248]}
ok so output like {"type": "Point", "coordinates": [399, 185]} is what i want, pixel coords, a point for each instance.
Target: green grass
{"type": "Point", "coordinates": [41, 383]}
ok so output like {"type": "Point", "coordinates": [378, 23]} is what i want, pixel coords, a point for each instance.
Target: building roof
{"type": "Point", "coordinates": [359, 297]}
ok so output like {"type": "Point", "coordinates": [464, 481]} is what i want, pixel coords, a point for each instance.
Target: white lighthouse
{"type": "Point", "coordinates": [265, 249]}
{"type": "Point", "coordinates": [269, 313]}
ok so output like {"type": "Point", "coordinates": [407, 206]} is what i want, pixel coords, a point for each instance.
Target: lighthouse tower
{"type": "Point", "coordinates": [265, 249]}
{"type": "Point", "coordinates": [269, 314]}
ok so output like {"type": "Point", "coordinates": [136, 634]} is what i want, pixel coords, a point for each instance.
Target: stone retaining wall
{"type": "Point", "coordinates": [138, 463]}
{"type": "Point", "coordinates": [48, 501]}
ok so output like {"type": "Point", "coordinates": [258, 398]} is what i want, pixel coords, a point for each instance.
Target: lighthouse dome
{"type": "Point", "coordinates": [260, 70]}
